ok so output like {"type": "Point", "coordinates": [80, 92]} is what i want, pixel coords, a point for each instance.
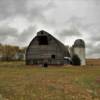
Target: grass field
{"type": "Point", "coordinates": [21, 82]}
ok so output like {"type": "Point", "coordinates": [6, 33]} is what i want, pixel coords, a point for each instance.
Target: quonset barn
{"type": "Point", "coordinates": [47, 50]}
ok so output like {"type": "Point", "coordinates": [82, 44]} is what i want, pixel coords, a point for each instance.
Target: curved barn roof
{"type": "Point", "coordinates": [44, 33]}
{"type": "Point", "coordinates": [79, 43]}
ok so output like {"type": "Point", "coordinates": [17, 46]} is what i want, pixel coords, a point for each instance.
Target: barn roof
{"type": "Point", "coordinates": [79, 43]}
{"type": "Point", "coordinates": [61, 45]}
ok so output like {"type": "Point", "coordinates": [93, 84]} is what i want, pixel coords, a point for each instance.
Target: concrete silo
{"type": "Point", "coordinates": [79, 50]}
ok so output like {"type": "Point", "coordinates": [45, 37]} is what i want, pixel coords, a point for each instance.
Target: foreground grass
{"type": "Point", "coordinates": [21, 82]}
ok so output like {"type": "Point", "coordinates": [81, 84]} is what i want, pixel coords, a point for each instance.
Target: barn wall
{"type": "Point", "coordinates": [38, 54]}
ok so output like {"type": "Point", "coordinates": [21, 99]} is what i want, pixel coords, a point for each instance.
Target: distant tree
{"type": "Point", "coordinates": [8, 52]}
{"type": "Point", "coordinates": [76, 60]}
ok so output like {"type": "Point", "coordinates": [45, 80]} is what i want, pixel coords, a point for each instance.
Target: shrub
{"type": "Point", "coordinates": [76, 60]}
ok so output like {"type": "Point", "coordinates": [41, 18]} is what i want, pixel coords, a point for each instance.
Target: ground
{"type": "Point", "coordinates": [21, 82]}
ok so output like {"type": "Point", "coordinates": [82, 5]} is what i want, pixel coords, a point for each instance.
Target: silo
{"type": "Point", "coordinates": [79, 50]}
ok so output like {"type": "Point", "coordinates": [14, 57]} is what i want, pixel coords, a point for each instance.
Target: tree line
{"type": "Point", "coordinates": [10, 52]}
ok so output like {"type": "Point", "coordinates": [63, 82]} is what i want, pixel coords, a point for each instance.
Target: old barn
{"type": "Point", "coordinates": [46, 49]}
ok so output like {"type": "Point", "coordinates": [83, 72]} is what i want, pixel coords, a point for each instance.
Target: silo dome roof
{"type": "Point", "coordinates": [79, 43]}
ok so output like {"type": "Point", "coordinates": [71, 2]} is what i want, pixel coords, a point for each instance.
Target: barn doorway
{"type": "Point", "coordinates": [45, 65]}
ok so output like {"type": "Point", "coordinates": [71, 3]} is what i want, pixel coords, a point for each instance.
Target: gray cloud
{"type": "Point", "coordinates": [69, 31]}
{"type": "Point", "coordinates": [6, 31]}
{"type": "Point", "coordinates": [10, 8]}
{"type": "Point", "coordinates": [25, 37]}
{"type": "Point", "coordinates": [93, 50]}
{"type": "Point", "coordinates": [31, 9]}
{"type": "Point", "coordinates": [19, 38]}
{"type": "Point", "coordinates": [66, 18]}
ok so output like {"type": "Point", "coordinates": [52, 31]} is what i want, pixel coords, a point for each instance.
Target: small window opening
{"type": "Point", "coordinates": [53, 56]}
{"type": "Point", "coordinates": [43, 40]}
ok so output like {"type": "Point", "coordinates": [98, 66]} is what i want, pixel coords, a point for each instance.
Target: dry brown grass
{"type": "Point", "coordinates": [21, 82]}
{"type": "Point", "coordinates": [93, 62]}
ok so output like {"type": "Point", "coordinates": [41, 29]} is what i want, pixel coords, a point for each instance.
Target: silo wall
{"type": "Point", "coordinates": [81, 54]}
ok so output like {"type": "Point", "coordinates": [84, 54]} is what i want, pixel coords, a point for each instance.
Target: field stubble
{"type": "Point", "coordinates": [21, 82]}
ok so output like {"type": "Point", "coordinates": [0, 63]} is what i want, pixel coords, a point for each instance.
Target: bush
{"type": "Point", "coordinates": [76, 60]}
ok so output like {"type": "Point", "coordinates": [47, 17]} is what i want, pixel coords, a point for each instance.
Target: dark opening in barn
{"type": "Point", "coordinates": [45, 65]}
{"type": "Point", "coordinates": [53, 56]}
{"type": "Point", "coordinates": [43, 40]}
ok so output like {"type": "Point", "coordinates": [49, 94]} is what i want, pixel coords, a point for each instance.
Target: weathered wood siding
{"type": "Point", "coordinates": [53, 53]}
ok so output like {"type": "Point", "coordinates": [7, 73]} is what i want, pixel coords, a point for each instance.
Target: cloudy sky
{"type": "Point", "coordinates": [67, 20]}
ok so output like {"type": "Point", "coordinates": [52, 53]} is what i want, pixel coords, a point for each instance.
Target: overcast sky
{"type": "Point", "coordinates": [67, 20]}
